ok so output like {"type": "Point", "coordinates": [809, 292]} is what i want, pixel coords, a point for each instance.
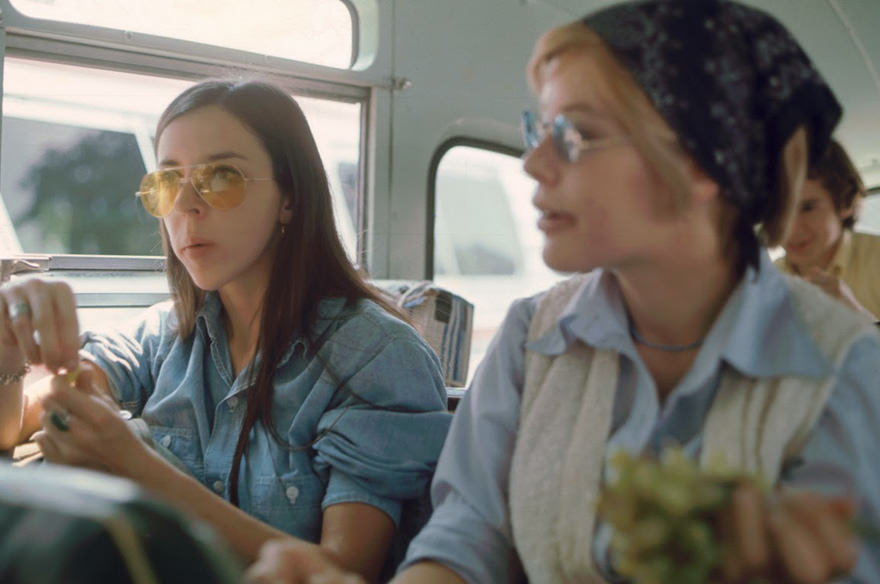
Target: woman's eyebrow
{"type": "Point", "coordinates": [170, 162]}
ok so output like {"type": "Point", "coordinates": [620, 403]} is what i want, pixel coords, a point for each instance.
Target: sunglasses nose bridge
{"type": "Point", "coordinates": [188, 183]}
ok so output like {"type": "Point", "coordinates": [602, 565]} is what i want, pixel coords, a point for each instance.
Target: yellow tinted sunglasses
{"type": "Point", "coordinates": [219, 184]}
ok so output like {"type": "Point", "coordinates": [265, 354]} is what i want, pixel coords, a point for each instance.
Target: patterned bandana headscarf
{"type": "Point", "coordinates": [733, 84]}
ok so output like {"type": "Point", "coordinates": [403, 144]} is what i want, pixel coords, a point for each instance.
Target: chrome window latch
{"type": "Point", "coordinates": [12, 266]}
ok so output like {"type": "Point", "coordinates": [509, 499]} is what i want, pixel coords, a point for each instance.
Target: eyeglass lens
{"type": "Point", "coordinates": [565, 136]}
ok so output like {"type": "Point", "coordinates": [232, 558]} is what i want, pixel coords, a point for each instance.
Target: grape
{"type": "Point", "coordinates": [663, 514]}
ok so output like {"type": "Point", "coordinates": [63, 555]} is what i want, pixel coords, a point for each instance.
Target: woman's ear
{"type": "Point", "coordinates": [702, 186]}
{"type": "Point", "coordinates": [286, 213]}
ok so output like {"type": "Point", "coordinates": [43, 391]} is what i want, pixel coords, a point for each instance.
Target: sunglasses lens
{"type": "Point", "coordinates": [158, 191]}
{"type": "Point", "coordinates": [220, 185]}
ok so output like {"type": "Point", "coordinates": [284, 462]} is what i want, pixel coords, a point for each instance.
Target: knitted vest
{"type": "Point", "coordinates": [565, 419]}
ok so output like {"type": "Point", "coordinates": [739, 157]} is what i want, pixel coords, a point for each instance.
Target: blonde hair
{"type": "Point", "coordinates": [658, 143]}
{"type": "Point", "coordinates": [650, 133]}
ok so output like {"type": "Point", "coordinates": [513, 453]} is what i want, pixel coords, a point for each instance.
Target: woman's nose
{"type": "Point", "coordinates": [188, 199]}
{"type": "Point", "coordinates": [542, 163]}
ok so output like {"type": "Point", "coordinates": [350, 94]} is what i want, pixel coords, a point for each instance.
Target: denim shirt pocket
{"type": "Point", "coordinates": [291, 502]}
{"type": "Point", "coordinates": [181, 443]}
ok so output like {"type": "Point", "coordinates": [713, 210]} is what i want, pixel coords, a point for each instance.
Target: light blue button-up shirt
{"type": "Point", "coordinates": [758, 333]}
{"type": "Point", "coordinates": [364, 420]}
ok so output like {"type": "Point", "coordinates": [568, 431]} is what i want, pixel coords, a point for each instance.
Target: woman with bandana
{"type": "Point", "coordinates": [670, 146]}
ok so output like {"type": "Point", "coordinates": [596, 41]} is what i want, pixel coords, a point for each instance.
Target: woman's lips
{"type": "Point", "coordinates": [551, 221]}
{"type": "Point", "coordinates": [198, 249]}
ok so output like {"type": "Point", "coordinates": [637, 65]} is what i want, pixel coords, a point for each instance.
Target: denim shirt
{"type": "Point", "coordinates": [757, 332]}
{"type": "Point", "coordinates": [375, 441]}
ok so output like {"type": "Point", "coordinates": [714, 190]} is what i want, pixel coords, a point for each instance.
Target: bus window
{"type": "Point", "coordinates": [487, 246]}
{"type": "Point", "coordinates": [313, 31]}
{"type": "Point", "coordinates": [869, 216]}
{"type": "Point", "coordinates": [76, 142]}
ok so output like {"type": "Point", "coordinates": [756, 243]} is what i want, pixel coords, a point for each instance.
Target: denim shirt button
{"type": "Point", "coordinates": [165, 441]}
{"type": "Point", "coordinates": [292, 493]}
{"type": "Point", "coordinates": [218, 487]}
{"type": "Point", "coordinates": [232, 403]}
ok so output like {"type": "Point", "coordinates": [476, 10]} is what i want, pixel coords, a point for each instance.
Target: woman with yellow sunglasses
{"type": "Point", "coordinates": [293, 399]}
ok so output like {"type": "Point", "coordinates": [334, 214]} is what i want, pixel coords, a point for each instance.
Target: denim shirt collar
{"type": "Point", "coordinates": [757, 332]}
{"type": "Point", "coordinates": [210, 324]}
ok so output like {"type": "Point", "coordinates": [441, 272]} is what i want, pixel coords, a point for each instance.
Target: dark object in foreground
{"type": "Point", "coordinates": [74, 526]}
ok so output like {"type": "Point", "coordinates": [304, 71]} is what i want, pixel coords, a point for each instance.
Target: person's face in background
{"type": "Point", "coordinates": [817, 228]}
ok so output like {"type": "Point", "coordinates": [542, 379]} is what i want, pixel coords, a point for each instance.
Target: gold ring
{"type": "Point", "coordinates": [18, 309]}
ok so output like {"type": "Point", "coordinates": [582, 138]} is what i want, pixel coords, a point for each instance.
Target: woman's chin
{"type": "Point", "coordinates": [565, 260]}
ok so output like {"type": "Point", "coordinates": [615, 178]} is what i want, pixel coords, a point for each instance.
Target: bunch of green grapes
{"type": "Point", "coordinates": [664, 516]}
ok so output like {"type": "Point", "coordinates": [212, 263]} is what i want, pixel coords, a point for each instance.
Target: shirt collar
{"type": "Point", "coordinates": [209, 321]}
{"type": "Point", "coordinates": [595, 315]}
{"type": "Point", "coordinates": [760, 307]}
{"type": "Point", "coordinates": [208, 318]}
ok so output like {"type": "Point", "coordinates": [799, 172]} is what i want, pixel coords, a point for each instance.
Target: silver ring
{"type": "Point", "coordinates": [18, 309]}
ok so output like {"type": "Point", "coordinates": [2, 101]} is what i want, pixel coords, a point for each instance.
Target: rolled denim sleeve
{"type": "Point", "coordinates": [381, 440]}
{"type": "Point", "coordinates": [127, 355]}
{"type": "Point", "coordinates": [469, 531]}
{"type": "Point", "coordinates": [840, 458]}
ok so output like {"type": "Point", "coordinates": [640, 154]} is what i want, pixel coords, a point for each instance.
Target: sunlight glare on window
{"type": "Point", "coordinates": [313, 31]}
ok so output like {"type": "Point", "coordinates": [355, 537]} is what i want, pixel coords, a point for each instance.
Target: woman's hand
{"type": "Point", "coordinates": [296, 562]}
{"type": "Point", "coordinates": [83, 427]}
{"type": "Point", "coordinates": [791, 537]}
{"type": "Point", "coordinates": [38, 323]}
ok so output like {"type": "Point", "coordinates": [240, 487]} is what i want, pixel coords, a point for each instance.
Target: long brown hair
{"type": "Point", "coordinates": [310, 263]}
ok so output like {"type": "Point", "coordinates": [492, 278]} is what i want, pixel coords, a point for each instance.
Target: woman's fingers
{"type": "Point", "coordinates": [799, 555]}
{"type": "Point", "coordinates": [750, 536]}
{"type": "Point", "coordinates": [81, 402]}
{"type": "Point", "coordinates": [47, 446]}
{"type": "Point", "coordinates": [827, 530]}
{"type": "Point", "coordinates": [41, 316]}
{"type": "Point", "coordinates": [793, 537]}
{"type": "Point", "coordinates": [19, 316]}
{"type": "Point", "coordinates": [295, 562]}
{"type": "Point", "coordinates": [67, 324]}
{"type": "Point", "coordinates": [55, 320]}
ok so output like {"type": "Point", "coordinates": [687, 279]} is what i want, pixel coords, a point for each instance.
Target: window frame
{"type": "Point", "coordinates": [19, 24]}
{"type": "Point", "coordinates": [434, 166]}
{"type": "Point", "coordinates": [125, 52]}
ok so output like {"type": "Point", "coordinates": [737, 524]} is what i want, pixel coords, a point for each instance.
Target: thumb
{"type": "Point", "coordinates": [84, 380]}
